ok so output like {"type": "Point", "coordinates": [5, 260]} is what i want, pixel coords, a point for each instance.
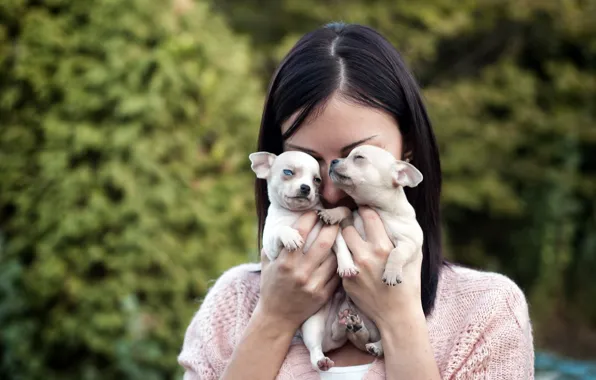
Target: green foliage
{"type": "Point", "coordinates": [523, 109]}
{"type": "Point", "coordinates": [511, 88]}
{"type": "Point", "coordinates": [124, 131]}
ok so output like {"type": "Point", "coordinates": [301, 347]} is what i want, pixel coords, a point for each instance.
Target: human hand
{"type": "Point", "coordinates": [373, 297]}
{"type": "Point", "coordinates": [296, 284]}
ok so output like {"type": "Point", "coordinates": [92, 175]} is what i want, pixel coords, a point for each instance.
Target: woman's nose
{"type": "Point", "coordinates": [331, 194]}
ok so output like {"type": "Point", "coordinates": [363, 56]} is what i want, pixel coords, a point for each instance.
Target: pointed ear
{"type": "Point", "coordinates": [405, 174]}
{"type": "Point", "coordinates": [261, 163]}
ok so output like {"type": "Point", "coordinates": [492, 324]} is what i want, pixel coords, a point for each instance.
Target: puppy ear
{"type": "Point", "coordinates": [405, 174]}
{"type": "Point", "coordinates": [261, 163]}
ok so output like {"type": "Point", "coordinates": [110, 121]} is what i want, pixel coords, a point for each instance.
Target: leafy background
{"type": "Point", "coordinates": [125, 187]}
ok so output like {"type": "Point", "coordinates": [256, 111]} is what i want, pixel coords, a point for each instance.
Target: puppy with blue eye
{"type": "Point", "coordinates": [293, 180]}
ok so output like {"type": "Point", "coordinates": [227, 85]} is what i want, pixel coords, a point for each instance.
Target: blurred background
{"type": "Point", "coordinates": [125, 187]}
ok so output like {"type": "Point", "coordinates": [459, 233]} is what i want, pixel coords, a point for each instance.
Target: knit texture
{"type": "Point", "coordinates": [479, 329]}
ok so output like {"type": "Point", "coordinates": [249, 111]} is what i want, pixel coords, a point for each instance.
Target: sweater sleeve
{"type": "Point", "coordinates": [211, 336]}
{"type": "Point", "coordinates": [505, 348]}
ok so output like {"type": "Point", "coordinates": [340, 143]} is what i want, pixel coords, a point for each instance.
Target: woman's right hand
{"type": "Point", "coordinates": [295, 285]}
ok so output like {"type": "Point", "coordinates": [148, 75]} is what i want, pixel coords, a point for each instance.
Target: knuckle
{"type": "Point", "coordinates": [381, 250]}
{"type": "Point", "coordinates": [327, 237]}
{"type": "Point", "coordinates": [325, 244]}
{"type": "Point", "coordinates": [311, 290]}
{"type": "Point", "coordinates": [301, 279]}
{"type": "Point", "coordinates": [284, 266]}
{"type": "Point", "coordinates": [364, 262]}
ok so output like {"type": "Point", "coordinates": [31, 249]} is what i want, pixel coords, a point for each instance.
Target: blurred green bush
{"type": "Point", "coordinates": [125, 128]}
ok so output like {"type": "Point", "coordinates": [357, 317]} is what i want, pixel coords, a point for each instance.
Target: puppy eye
{"type": "Point", "coordinates": [317, 180]}
{"type": "Point", "coordinates": [288, 172]}
{"type": "Point", "coordinates": [358, 157]}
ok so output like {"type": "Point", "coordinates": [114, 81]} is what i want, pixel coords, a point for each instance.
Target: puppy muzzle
{"type": "Point", "coordinates": [336, 172]}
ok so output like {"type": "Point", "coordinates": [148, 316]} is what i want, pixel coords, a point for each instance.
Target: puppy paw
{"type": "Point", "coordinates": [331, 216]}
{"type": "Point", "coordinates": [291, 239]}
{"type": "Point", "coordinates": [374, 349]}
{"type": "Point", "coordinates": [391, 277]}
{"type": "Point", "coordinates": [353, 322]}
{"type": "Point", "coordinates": [325, 364]}
{"type": "Point", "coordinates": [348, 271]}
{"type": "Point", "coordinates": [342, 317]}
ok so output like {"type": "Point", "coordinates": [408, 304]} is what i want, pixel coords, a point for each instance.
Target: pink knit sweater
{"type": "Point", "coordinates": [479, 329]}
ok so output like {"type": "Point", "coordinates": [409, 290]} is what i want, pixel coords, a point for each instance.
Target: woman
{"type": "Point", "coordinates": [339, 87]}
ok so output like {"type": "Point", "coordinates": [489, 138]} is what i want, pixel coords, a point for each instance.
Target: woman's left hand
{"type": "Point", "coordinates": [380, 302]}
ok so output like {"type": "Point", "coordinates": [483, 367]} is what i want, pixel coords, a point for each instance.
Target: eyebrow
{"type": "Point", "coordinates": [345, 149]}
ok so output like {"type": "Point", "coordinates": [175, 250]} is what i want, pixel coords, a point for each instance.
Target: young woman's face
{"type": "Point", "coordinates": [335, 131]}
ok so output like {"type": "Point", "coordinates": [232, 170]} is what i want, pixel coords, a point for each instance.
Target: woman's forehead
{"type": "Point", "coordinates": [342, 124]}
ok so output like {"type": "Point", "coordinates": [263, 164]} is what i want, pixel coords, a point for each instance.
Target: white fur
{"type": "Point", "coordinates": [288, 203]}
{"type": "Point", "coordinates": [374, 178]}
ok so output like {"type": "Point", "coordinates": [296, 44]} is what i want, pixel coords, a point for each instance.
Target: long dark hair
{"type": "Point", "coordinates": [361, 65]}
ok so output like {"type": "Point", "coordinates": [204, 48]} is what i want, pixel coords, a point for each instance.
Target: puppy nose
{"type": "Point", "coordinates": [305, 189]}
{"type": "Point", "coordinates": [334, 162]}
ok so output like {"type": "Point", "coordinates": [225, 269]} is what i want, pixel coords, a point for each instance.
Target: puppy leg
{"type": "Point", "coordinates": [375, 349]}
{"type": "Point", "coordinates": [313, 330]}
{"type": "Point", "coordinates": [289, 238]}
{"type": "Point", "coordinates": [361, 336]}
{"type": "Point", "coordinates": [338, 328]}
{"type": "Point", "coordinates": [358, 334]}
{"type": "Point", "coordinates": [334, 215]}
{"type": "Point", "coordinates": [345, 263]}
{"type": "Point", "coordinates": [398, 257]}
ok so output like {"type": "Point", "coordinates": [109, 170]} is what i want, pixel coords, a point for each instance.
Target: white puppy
{"type": "Point", "coordinates": [293, 180]}
{"type": "Point", "coordinates": [374, 178]}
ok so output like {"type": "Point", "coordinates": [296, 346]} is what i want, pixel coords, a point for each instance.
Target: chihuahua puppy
{"type": "Point", "coordinates": [374, 178]}
{"type": "Point", "coordinates": [293, 180]}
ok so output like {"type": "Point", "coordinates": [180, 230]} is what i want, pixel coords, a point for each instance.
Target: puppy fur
{"type": "Point", "coordinates": [374, 178]}
{"type": "Point", "coordinates": [293, 180]}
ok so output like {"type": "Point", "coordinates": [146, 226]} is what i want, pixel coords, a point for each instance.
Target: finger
{"type": "Point", "coordinates": [305, 223]}
{"type": "Point", "coordinates": [331, 286]}
{"type": "Point", "coordinates": [327, 269]}
{"type": "Point", "coordinates": [321, 247]}
{"type": "Point", "coordinates": [322, 274]}
{"type": "Point", "coordinates": [374, 229]}
{"type": "Point", "coordinates": [353, 239]}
